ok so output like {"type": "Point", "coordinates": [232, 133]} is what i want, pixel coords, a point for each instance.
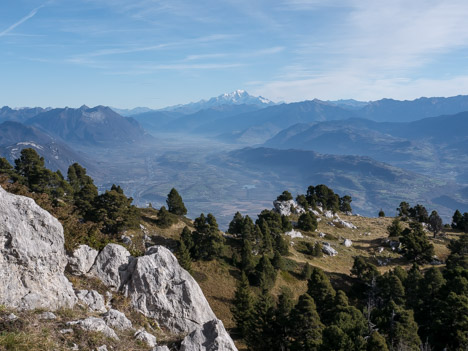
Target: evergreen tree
{"type": "Point", "coordinates": [317, 250]}
{"type": "Point", "coordinates": [381, 213]}
{"type": "Point", "coordinates": [302, 201]}
{"type": "Point", "coordinates": [416, 246]}
{"type": "Point", "coordinates": [285, 196]}
{"type": "Point", "coordinates": [404, 209]}
{"type": "Point", "coordinates": [247, 259]}
{"type": "Point", "coordinates": [184, 258]}
{"type": "Point", "coordinates": [115, 211]}
{"type": "Point", "coordinates": [265, 273]}
{"type": "Point", "coordinates": [419, 213]}
{"type": "Point", "coordinates": [175, 204]}
{"type": "Point", "coordinates": [306, 271]}
{"type": "Point", "coordinates": [391, 289]}
{"type": "Point", "coordinates": [277, 261]}
{"type": "Point", "coordinates": [457, 220]}
{"type": "Point", "coordinates": [376, 342]}
{"type": "Point", "coordinates": [281, 327]}
{"type": "Point", "coordinates": [208, 241]}
{"type": "Point", "coordinates": [186, 238]}
{"type": "Point", "coordinates": [395, 229]}
{"type": "Point", "coordinates": [6, 168]}
{"type": "Point", "coordinates": [435, 223]}
{"type": "Point", "coordinates": [281, 245]}
{"type": "Point", "coordinates": [321, 290]}
{"type": "Point", "coordinates": [363, 270]}
{"type": "Point", "coordinates": [165, 220]}
{"type": "Point", "coordinates": [306, 327]}
{"type": "Point", "coordinates": [345, 203]}
{"type": "Point", "coordinates": [242, 309]}
{"type": "Point", "coordinates": [236, 225]}
{"type": "Point", "coordinates": [260, 334]}
{"type": "Point", "coordinates": [307, 222]}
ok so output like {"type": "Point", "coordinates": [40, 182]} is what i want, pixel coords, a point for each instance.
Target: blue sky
{"type": "Point", "coordinates": [155, 53]}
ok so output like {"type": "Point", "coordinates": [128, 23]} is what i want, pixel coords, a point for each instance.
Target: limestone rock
{"type": "Point", "coordinates": [294, 234]}
{"type": "Point", "coordinates": [32, 256]}
{"type": "Point", "coordinates": [47, 315]}
{"type": "Point", "coordinates": [338, 222]}
{"type": "Point", "coordinates": [210, 337]}
{"type": "Point", "coordinates": [126, 239]}
{"type": "Point", "coordinates": [111, 264]}
{"type": "Point", "coordinates": [117, 320]}
{"type": "Point", "coordinates": [82, 259]}
{"type": "Point", "coordinates": [286, 208]}
{"type": "Point", "coordinates": [94, 300]}
{"type": "Point", "coordinates": [102, 348]}
{"type": "Point", "coordinates": [161, 348]}
{"type": "Point", "coordinates": [96, 325]}
{"type": "Point", "coordinates": [159, 288]}
{"type": "Point", "coordinates": [329, 214]}
{"type": "Point", "coordinates": [146, 337]}
{"type": "Point", "coordinates": [327, 249]}
{"type": "Point", "coordinates": [348, 243]}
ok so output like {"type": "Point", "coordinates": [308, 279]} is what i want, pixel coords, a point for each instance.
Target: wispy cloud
{"type": "Point", "coordinates": [22, 20]}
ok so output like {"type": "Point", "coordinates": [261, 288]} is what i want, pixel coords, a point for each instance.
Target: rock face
{"type": "Point", "coordinates": [32, 256]}
{"type": "Point", "coordinates": [159, 288]}
{"type": "Point", "coordinates": [212, 336]}
{"type": "Point", "coordinates": [82, 259]}
{"type": "Point", "coordinates": [340, 223]}
{"type": "Point", "coordinates": [111, 264]}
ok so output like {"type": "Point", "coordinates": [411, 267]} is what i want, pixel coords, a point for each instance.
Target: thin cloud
{"type": "Point", "coordinates": [22, 20]}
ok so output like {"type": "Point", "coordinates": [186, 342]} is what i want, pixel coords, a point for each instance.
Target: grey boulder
{"type": "Point", "coordinates": [32, 256]}
{"type": "Point", "coordinates": [110, 265]}
{"type": "Point", "coordinates": [92, 299]}
{"type": "Point", "coordinates": [210, 337]}
{"type": "Point", "coordinates": [117, 320]}
{"type": "Point", "coordinates": [96, 325]}
{"type": "Point", "coordinates": [81, 260]}
{"type": "Point", "coordinates": [161, 289]}
{"type": "Point", "coordinates": [146, 337]}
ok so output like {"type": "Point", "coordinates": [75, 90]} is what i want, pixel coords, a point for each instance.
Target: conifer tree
{"type": "Point", "coordinates": [321, 290]}
{"type": "Point", "coordinates": [416, 246]}
{"type": "Point", "coordinates": [260, 334]}
{"type": "Point", "coordinates": [184, 258]}
{"type": "Point", "coordinates": [395, 229]}
{"type": "Point", "coordinates": [376, 342]}
{"type": "Point", "coordinates": [307, 222]}
{"type": "Point", "coordinates": [186, 238]}
{"type": "Point", "coordinates": [435, 223]}
{"type": "Point", "coordinates": [207, 239]}
{"type": "Point", "coordinates": [282, 327]}
{"type": "Point", "coordinates": [175, 204]}
{"type": "Point", "coordinates": [277, 261]}
{"type": "Point", "coordinates": [242, 309]}
{"type": "Point", "coordinates": [247, 259]}
{"type": "Point", "coordinates": [236, 225]}
{"type": "Point", "coordinates": [265, 273]}
{"type": "Point", "coordinates": [457, 220]}
{"type": "Point", "coordinates": [306, 327]}
{"type": "Point", "coordinates": [164, 218]}
{"type": "Point", "coordinates": [306, 271]}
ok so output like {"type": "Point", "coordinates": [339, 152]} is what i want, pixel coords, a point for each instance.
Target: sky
{"type": "Point", "coordinates": [157, 53]}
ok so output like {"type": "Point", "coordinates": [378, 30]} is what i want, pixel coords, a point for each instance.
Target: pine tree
{"type": "Point", "coordinates": [242, 309]}
{"type": "Point", "coordinates": [282, 327]}
{"type": "Point", "coordinates": [265, 273]}
{"type": "Point", "coordinates": [317, 250]}
{"type": "Point", "coordinates": [306, 271]}
{"type": "Point", "coordinates": [184, 258]}
{"type": "Point", "coordinates": [236, 225]}
{"type": "Point", "coordinates": [345, 203]}
{"type": "Point", "coordinates": [416, 246]}
{"type": "Point", "coordinates": [165, 219]}
{"type": "Point", "coordinates": [260, 334]}
{"type": "Point", "coordinates": [457, 220]}
{"type": "Point", "coordinates": [277, 261]}
{"type": "Point", "coordinates": [247, 259]}
{"type": "Point", "coordinates": [186, 238]}
{"type": "Point", "coordinates": [381, 213]}
{"type": "Point", "coordinates": [376, 342]}
{"type": "Point", "coordinates": [175, 204]}
{"type": "Point", "coordinates": [207, 239]}
{"type": "Point", "coordinates": [307, 222]}
{"type": "Point", "coordinates": [285, 196]}
{"type": "Point", "coordinates": [395, 229]}
{"type": "Point", "coordinates": [306, 327]}
{"type": "Point", "coordinates": [435, 223]}
{"type": "Point", "coordinates": [321, 290]}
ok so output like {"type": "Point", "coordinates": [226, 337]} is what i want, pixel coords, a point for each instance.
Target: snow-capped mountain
{"type": "Point", "coordinates": [238, 97]}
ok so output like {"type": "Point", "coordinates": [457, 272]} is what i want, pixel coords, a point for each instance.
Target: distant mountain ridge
{"type": "Point", "coordinates": [15, 136]}
{"type": "Point", "coordinates": [99, 125]}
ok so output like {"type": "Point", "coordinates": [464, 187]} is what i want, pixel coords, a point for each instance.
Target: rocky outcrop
{"type": "Point", "coordinates": [81, 260]}
{"type": "Point", "coordinates": [110, 265]}
{"type": "Point", "coordinates": [159, 288]}
{"type": "Point", "coordinates": [212, 336]}
{"type": "Point", "coordinates": [286, 208]}
{"type": "Point", "coordinates": [32, 256]}
{"type": "Point", "coordinates": [338, 222]}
